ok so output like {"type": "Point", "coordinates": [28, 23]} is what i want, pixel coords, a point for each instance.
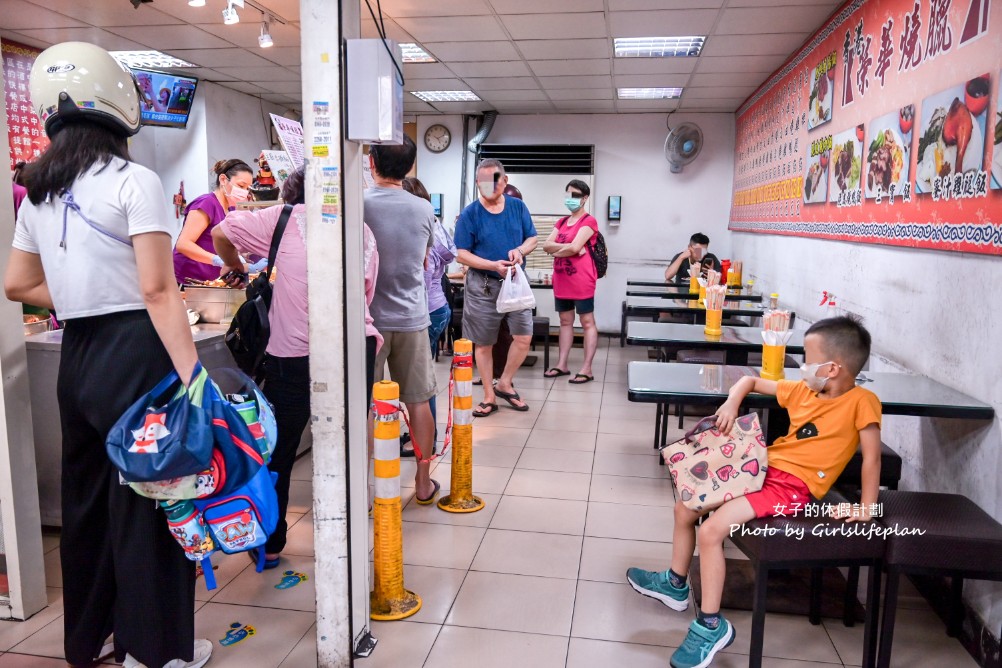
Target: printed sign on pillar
{"type": "Point", "coordinates": [24, 132]}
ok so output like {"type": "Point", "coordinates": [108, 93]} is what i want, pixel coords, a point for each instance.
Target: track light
{"type": "Point", "coordinates": [264, 39]}
{"type": "Point", "coordinates": [230, 15]}
{"type": "Point", "coordinates": [196, 3]}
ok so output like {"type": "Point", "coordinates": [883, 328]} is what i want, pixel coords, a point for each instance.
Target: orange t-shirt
{"type": "Point", "coordinates": [824, 433]}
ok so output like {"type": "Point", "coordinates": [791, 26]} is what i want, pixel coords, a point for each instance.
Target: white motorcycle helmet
{"type": "Point", "coordinates": [78, 80]}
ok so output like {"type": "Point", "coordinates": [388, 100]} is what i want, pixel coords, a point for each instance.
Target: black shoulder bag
{"type": "Point", "coordinates": [247, 337]}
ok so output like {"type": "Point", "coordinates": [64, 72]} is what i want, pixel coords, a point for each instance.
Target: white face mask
{"type": "Point", "coordinates": [809, 373]}
{"type": "Point", "coordinates": [238, 194]}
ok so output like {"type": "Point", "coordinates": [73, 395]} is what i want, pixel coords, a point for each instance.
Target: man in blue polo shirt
{"type": "Point", "coordinates": [494, 233]}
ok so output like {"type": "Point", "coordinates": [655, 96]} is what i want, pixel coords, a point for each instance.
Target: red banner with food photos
{"type": "Point", "coordinates": [25, 134]}
{"type": "Point", "coordinates": [886, 127]}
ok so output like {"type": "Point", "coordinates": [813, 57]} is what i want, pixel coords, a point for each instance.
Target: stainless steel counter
{"type": "Point", "coordinates": [43, 366]}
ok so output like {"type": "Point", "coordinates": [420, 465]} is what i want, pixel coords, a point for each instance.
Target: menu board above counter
{"type": "Point", "coordinates": [886, 127]}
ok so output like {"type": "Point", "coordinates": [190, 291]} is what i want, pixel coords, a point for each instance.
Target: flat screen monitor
{"type": "Point", "coordinates": [166, 98]}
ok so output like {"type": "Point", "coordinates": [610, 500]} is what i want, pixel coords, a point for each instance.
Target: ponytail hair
{"type": "Point", "coordinates": [230, 168]}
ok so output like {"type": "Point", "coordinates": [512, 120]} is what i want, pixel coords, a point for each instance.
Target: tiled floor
{"type": "Point", "coordinates": [574, 495]}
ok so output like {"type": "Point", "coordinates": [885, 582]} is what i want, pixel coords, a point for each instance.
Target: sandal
{"type": "Point", "coordinates": [268, 563]}
{"type": "Point", "coordinates": [511, 398]}
{"type": "Point", "coordinates": [404, 440]}
{"type": "Point", "coordinates": [558, 374]}
{"type": "Point", "coordinates": [485, 409]}
{"type": "Point", "coordinates": [586, 377]}
{"type": "Point", "coordinates": [431, 499]}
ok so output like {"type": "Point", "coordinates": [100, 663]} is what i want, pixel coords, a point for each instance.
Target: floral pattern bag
{"type": "Point", "coordinates": [709, 468]}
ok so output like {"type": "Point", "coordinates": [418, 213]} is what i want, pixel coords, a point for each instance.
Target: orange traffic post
{"type": "Point", "coordinates": [389, 600]}
{"type": "Point", "coordinates": [460, 498]}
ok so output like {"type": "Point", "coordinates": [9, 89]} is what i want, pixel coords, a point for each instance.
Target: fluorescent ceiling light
{"type": "Point", "coordinates": [413, 53]}
{"type": "Point", "coordinates": [446, 95]}
{"type": "Point", "coordinates": [658, 47]}
{"type": "Point", "coordinates": [149, 59]}
{"type": "Point", "coordinates": [649, 93]}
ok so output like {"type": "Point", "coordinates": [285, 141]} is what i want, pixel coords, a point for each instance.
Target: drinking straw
{"type": "Point", "coordinates": [715, 296]}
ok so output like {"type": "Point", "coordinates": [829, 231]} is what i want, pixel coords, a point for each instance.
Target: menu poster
{"type": "Point", "coordinates": [847, 167]}
{"type": "Point", "coordinates": [885, 127]}
{"type": "Point", "coordinates": [816, 177]}
{"type": "Point", "coordinates": [290, 134]}
{"type": "Point", "coordinates": [953, 135]}
{"type": "Point", "coordinates": [822, 94]}
{"type": "Point", "coordinates": [996, 130]}
{"type": "Point", "coordinates": [888, 155]}
{"type": "Point", "coordinates": [280, 165]}
{"type": "Point", "coordinates": [25, 134]}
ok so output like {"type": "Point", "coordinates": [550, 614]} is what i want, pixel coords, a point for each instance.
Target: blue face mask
{"type": "Point", "coordinates": [572, 203]}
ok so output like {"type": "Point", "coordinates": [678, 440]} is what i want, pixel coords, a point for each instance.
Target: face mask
{"type": "Point", "coordinates": [572, 203]}
{"type": "Point", "coordinates": [238, 194]}
{"type": "Point", "coordinates": [809, 373]}
{"type": "Point", "coordinates": [486, 188]}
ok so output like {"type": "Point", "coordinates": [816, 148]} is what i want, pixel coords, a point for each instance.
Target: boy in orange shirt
{"type": "Point", "coordinates": [829, 417]}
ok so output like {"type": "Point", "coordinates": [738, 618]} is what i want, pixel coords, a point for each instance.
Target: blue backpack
{"type": "Point", "coordinates": [229, 503]}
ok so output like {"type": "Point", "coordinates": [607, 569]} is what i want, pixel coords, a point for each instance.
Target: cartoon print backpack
{"type": "Point", "coordinates": [710, 468]}
{"type": "Point", "coordinates": [230, 503]}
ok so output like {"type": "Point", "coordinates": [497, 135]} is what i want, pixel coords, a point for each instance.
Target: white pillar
{"type": "Point", "coordinates": [20, 520]}
{"type": "Point", "coordinates": [337, 339]}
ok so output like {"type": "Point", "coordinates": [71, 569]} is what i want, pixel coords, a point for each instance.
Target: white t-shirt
{"type": "Point", "coordinates": [92, 273]}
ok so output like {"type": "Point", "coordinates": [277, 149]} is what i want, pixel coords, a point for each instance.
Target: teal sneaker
{"type": "Point", "coordinates": [656, 585]}
{"type": "Point", "coordinates": [702, 644]}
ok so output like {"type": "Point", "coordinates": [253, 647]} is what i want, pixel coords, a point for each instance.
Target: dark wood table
{"type": "Point", "coordinates": [653, 306]}
{"type": "Point", "coordinates": [708, 385]}
{"type": "Point", "coordinates": [661, 283]}
{"type": "Point", "coordinates": [671, 292]}
{"type": "Point", "coordinates": [736, 342]}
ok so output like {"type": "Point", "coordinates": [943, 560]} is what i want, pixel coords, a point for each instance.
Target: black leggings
{"type": "Point", "coordinates": [122, 570]}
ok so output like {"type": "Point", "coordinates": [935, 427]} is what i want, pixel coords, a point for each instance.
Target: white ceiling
{"type": "Point", "coordinates": [535, 56]}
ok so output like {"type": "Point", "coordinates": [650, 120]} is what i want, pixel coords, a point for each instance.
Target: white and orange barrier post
{"type": "Point", "coordinates": [460, 498]}
{"type": "Point", "coordinates": [389, 600]}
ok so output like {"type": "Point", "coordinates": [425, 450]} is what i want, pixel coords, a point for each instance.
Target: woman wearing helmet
{"type": "Point", "coordinates": [94, 241]}
{"type": "Point", "coordinates": [194, 256]}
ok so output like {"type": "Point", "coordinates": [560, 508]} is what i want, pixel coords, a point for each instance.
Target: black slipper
{"type": "Point", "coordinates": [558, 374]}
{"type": "Point", "coordinates": [511, 398]}
{"type": "Point", "coordinates": [575, 381]}
{"type": "Point", "coordinates": [485, 409]}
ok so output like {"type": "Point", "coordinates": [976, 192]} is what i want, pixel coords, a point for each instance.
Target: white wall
{"type": "Point", "coordinates": [224, 124]}
{"type": "Point", "coordinates": [921, 322]}
{"type": "Point", "coordinates": [660, 210]}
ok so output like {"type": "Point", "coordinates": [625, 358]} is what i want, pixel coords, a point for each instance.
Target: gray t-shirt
{"type": "Point", "coordinates": [403, 226]}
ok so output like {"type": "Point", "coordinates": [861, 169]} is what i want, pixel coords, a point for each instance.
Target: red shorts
{"type": "Point", "coordinates": [782, 493]}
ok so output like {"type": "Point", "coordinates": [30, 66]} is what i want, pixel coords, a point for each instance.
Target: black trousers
{"type": "Point", "coordinates": [122, 570]}
{"type": "Point", "coordinates": [287, 387]}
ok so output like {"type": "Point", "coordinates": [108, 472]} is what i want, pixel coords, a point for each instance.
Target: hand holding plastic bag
{"type": "Point", "coordinates": [516, 293]}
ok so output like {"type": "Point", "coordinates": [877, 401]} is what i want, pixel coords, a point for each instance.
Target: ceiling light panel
{"type": "Point", "coordinates": [659, 47]}
{"type": "Point", "coordinates": [446, 95]}
{"type": "Point", "coordinates": [149, 59]}
{"type": "Point", "coordinates": [648, 93]}
{"type": "Point", "coordinates": [413, 53]}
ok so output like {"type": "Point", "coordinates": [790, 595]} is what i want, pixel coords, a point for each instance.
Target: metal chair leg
{"type": "Point", "coordinates": [758, 617]}
{"type": "Point", "coordinates": [814, 611]}
{"type": "Point", "coordinates": [849, 605]}
{"type": "Point", "coordinates": [887, 624]}
{"type": "Point", "coordinates": [956, 618]}
{"type": "Point", "coordinates": [872, 615]}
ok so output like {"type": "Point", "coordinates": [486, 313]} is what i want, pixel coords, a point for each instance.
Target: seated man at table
{"type": "Point", "coordinates": [829, 417]}
{"type": "Point", "coordinates": [695, 252]}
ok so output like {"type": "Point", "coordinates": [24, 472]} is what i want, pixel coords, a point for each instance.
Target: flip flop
{"type": "Point", "coordinates": [485, 409]}
{"type": "Point", "coordinates": [511, 398]}
{"type": "Point", "coordinates": [558, 374]}
{"type": "Point", "coordinates": [575, 381]}
{"type": "Point", "coordinates": [431, 499]}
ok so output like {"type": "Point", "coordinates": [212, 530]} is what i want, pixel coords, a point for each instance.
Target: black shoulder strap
{"type": "Point", "coordinates": [276, 238]}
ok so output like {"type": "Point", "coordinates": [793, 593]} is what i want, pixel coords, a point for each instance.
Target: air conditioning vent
{"type": "Point", "coordinates": [542, 158]}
